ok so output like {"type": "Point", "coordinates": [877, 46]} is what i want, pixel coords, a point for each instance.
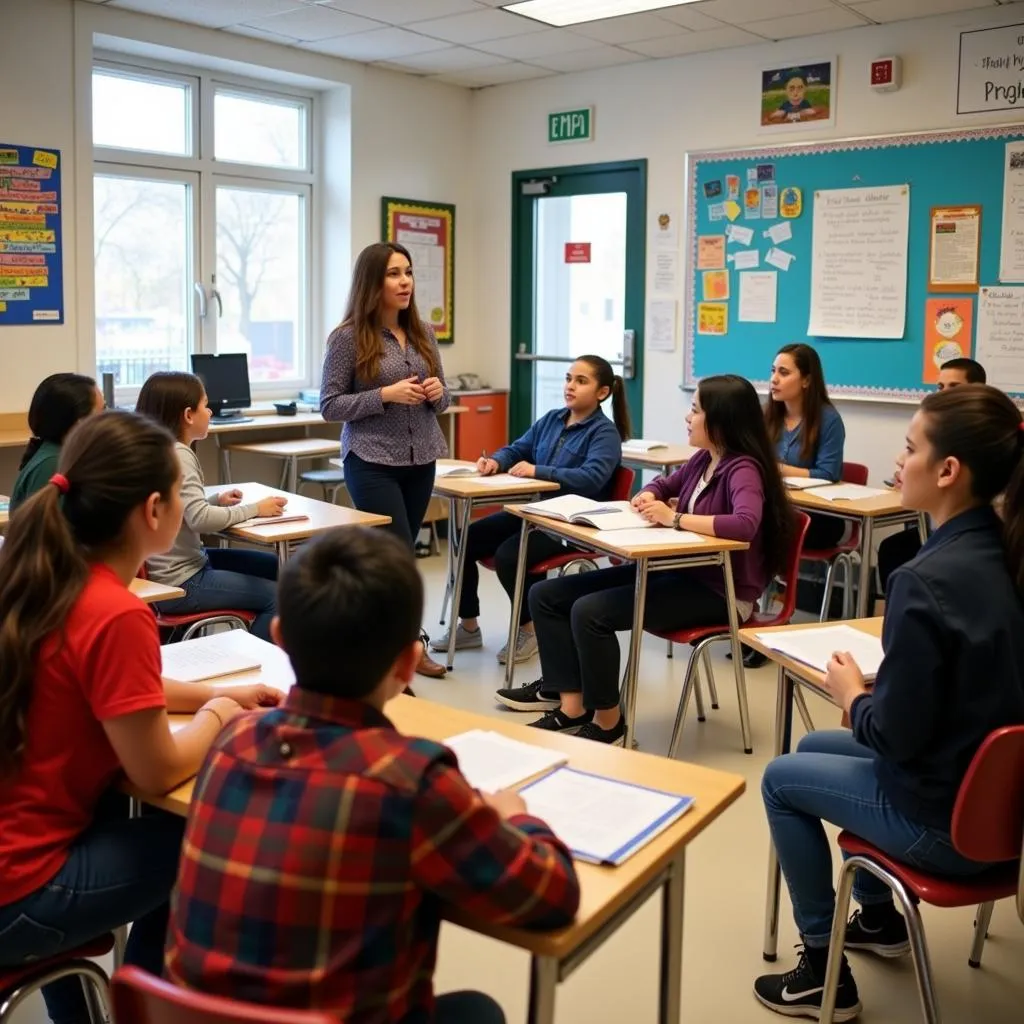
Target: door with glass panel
{"type": "Point", "coordinates": [578, 242]}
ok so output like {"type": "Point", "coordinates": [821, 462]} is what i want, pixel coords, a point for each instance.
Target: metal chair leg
{"type": "Point", "coordinates": [830, 580]}
{"type": "Point", "coordinates": [801, 706]}
{"type": "Point", "coordinates": [981, 923]}
{"type": "Point", "coordinates": [698, 693]}
{"type": "Point", "coordinates": [684, 700]}
{"type": "Point", "coordinates": [709, 675]}
{"type": "Point", "coordinates": [668, 650]}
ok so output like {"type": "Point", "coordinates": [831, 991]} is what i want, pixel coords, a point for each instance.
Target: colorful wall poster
{"type": "Point", "coordinates": [948, 327]}
{"type": "Point", "coordinates": [715, 285]}
{"type": "Point", "coordinates": [31, 267]}
{"type": "Point", "coordinates": [711, 252]}
{"type": "Point", "coordinates": [712, 318]}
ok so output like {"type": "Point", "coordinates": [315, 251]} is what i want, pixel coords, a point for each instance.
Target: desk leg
{"type": "Point", "coordinates": [282, 553]}
{"type": "Point", "coordinates": [460, 566]}
{"type": "Point", "coordinates": [670, 981]}
{"type": "Point", "coordinates": [737, 654]}
{"type": "Point", "coordinates": [517, 605]}
{"type": "Point", "coordinates": [865, 589]}
{"type": "Point", "coordinates": [225, 462]}
{"type": "Point", "coordinates": [543, 983]}
{"type": "Point", "coordinates": [449, 582]}
{"type": "Point", "coordinates": [783, 738]}
{"type": "Point", "coordinates": [635, 638]}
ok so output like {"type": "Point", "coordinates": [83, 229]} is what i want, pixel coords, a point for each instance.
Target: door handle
{"type": "Point", "coordinates": [203, 303]}
{"type": "Point", "coordinates": [628, 354]}
{"type": "Point", "coordinates": [485, 408]}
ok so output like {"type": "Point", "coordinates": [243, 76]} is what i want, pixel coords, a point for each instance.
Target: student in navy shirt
{"type": "Point", "coordinates": [953, 672]}
{"type": "Point", "coordinates": [579, 448]}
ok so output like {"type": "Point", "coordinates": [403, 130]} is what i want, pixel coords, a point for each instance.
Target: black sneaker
{"type": "Point", "coordinates": [888, 940]}
{"type": "Point", "coordinates": [798, 993]}
{"type": "Point", "coordinates": [614, 736]}
{"type": "Point", "coordinates": [528, 698]}
{"type": "Point", "coordinates": [559, 721]}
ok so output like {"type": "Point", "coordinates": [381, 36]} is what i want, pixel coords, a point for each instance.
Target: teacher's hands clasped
{"type": "Point", "coordinates": [412, 391]}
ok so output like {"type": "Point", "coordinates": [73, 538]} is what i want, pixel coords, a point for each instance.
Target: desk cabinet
{"type": "Point", "coordinates": [485, 427]}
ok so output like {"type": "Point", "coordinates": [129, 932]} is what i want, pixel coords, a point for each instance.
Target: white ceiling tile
{"type": "Point", "coordinates": [692, 17]}
{"type": "Point", "coordinates": [630, 28]}
{"type": "Point", "coordinates": [901, 10]}
{"type": "Point", "coordinates": [453, 58]}
{"type": "Point", "coordinates": [261, 33]}
{"type": "Point", "coordinates": [588, 60]}
{"type": "Point", "coordinates": [738, 12]}
{"type": "Point", "coordinates": [478, 26]}
{"type": "Point", "coordinates": [537, 44]}
{"type": "Point", "coordinates": [312, 23]}
{"type": "Point", "coordinates": [500, 75]}
{"type": "Point", "coordinates": [809, 24]}
{"type": "Point", "coordinates": [380, 44]}
{"type": "Point", "coordinates": [401, 12]}
{"type": "Point", "coordinates": [214, 13]}
{"type": "Point", "coordinates": [695, 42]}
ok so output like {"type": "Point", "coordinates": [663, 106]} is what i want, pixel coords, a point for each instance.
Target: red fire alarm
{"type": "Point", "coordinates": [886, 74]}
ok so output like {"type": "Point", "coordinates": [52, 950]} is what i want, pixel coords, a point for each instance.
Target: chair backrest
{"type": "Point", "coordinates": [855, 473]}
{"type": "Point", "coordinates": [141, 998]}
{"type": "Point", "coordinates": [622, 483]}
{"type": "Point", "coordinates": [988, 816]}
{"type": "Point", "coordinates": [785, 613]}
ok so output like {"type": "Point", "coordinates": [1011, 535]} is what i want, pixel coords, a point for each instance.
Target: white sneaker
{"type": "Point", "coordinates": [526, 648]}
{"type": "Point", "coordinates": [465, 639]}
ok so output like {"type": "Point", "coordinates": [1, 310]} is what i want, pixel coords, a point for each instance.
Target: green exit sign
{"type": "Point", "coordinates": [571, 125]}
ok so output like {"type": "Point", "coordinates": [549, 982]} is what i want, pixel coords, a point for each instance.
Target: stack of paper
{"type": "Point", "coordinates": [638, 444]}
{"type": "Point", "coordinates": [640, 538]}
{"type": "Point", "coordinates": [206, 657]}
{"type": "Point", "coordinates": [272, 520]}
{"type": "Point", "coordinates": [846, 492]}
{"type": "Point", "coordinates": [801, 483]}
{"type": "Point", "coordinates": [491, 761]}
{"type": "Point", "coordinates": [446, 470]}
{"type": "Point", "coordinates": [816, 646]}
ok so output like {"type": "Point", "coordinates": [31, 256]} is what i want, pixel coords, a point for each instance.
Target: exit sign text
{"type": "Point", "coordinates": [571, 125]}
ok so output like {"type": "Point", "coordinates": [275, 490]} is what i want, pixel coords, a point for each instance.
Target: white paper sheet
{"type": "Point", "coordinates": [846, 492]}
{"type": "Point", "coordinates": [1011, 255]}
{"type": "Point", "coordinates": [815, 647]}
{"type": "Point", "coordinates": [491, 761]}
{"type": "Point", "coordinates": [744, 259]}
{"type": "Point", "coordinates": [456, 470]}
{"type": "Point", "coordinates": [661, 325]}
{"type": "Point", "coordinates": [801, 483]}
{"type": "Point", "coordinates": [779, 233]}
{"type": "Point", "coordinates": [1000, 342]}
{"type": "Point", "coordinates": [638, 444]}
{"type": "Point", "coordinates": [738, 233]}
{"type": "Point", "coordinates": [758, 297]}
{"type": "Point", "coordinates": [666, 271]}
{"type": "Point", "coordinates": [207, 657]}
{"type": "Point", "coordinates": [653, 537]}
{"type": "Point", "coordinates": [779, 258]}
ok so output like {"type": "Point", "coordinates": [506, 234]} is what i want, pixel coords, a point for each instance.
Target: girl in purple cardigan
{"type": "Point", "coordinates": [731, 489]}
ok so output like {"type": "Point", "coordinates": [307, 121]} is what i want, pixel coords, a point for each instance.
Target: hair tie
{"type": "Point", "coordinates": [61, 482]}
{"type": "Point", "coordinates": [1020, 426]}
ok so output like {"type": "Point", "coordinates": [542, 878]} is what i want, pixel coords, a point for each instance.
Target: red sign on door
{"type": "Point", "coordinates": [577, 252]}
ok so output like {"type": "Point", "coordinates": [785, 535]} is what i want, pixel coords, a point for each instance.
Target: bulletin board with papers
{"type": "Point", "coordinates": [832, 243]}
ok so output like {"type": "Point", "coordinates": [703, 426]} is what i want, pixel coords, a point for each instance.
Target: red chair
{"type": "Point", "coordinates": [197, 623]}
{"type": "Point", "coordinates": [18, 983]}
{"type": "Point", "coordinates": [988, 826]}
{"type": "Point", "coordinates": [846, 553]}
{"type": "Point", "coordinates": [141, 998]}
{"type": "Point", "coordinates": [702, 637]}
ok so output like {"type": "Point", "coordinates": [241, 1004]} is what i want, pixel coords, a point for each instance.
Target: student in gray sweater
{"type": "Point", "coordinates": [213, 579]}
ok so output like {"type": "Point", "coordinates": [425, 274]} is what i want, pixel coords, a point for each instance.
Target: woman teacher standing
{"type": "Point", "coordinates": [383, 379]}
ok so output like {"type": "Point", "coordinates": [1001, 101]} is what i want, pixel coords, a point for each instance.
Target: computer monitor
{"type": "Point", "coordinates": [226, 379]}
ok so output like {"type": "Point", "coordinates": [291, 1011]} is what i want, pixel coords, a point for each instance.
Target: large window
{"type": "Point", "coordinates": [202, 195]}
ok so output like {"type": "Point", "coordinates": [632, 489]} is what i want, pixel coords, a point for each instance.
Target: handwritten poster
{"type": "Point", "coordinates": [31, 269]}
{"type": "Point", "coordinates": [947, 333]}
{"type": "Point", "coordinates": [662, 315]}
{"type": "Point", "coordinates": [1000, 342]}
{"type": "Point", "coordinates": [712, 318]}
{"type": "Point", "coordinates": [859, 262]}
{"type": "Point", "coordinates": [991, 67]}
{"type": "Point", "coordinates": [666, 272]}
{"type": "Point", "coordinates": [1011, 254]}
{"type": "Point", "coordinates": [759, 292]}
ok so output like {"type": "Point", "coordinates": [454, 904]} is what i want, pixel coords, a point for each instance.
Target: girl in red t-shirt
{"type": "Point", "coordinates": [82, 702]}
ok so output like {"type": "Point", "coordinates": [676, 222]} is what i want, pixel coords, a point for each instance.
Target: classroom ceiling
{"type": "Point", "coordinates": [474, 43]}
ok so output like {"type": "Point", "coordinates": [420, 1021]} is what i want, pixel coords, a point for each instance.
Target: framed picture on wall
{"type": "Point", "coordinates": [799, 95]}
{"type": "Point", "coordinates": [427, 230]}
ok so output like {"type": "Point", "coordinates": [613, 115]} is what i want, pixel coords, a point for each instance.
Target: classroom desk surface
{"type": "Point", "coordinates": [147, 591]}
{"type": "Point", "coordinates": [15, 438]}
{"type": "Point", "coordinates": [666, 459]}
{"type": "Point", "coordinates": [874, 507]}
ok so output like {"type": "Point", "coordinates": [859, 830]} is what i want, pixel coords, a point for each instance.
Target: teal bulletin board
{"type": "Point", "coordinates": [941, 169]}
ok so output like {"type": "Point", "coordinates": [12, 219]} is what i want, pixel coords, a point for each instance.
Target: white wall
{"type": "Point", "coordinates": [662, 109]}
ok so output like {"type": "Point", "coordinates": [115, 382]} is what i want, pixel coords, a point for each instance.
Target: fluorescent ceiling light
{"type": "Point", "coordinates": [575, 12]}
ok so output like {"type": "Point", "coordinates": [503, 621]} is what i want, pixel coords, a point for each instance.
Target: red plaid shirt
{"type": "Point", "coordinates": [321, 846]}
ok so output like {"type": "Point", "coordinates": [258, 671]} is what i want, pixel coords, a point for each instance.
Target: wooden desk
{"type": "Point", "coordinates": [672, 554]}
{"type": "Point", "coordinates": [882, 510]}
{"type": "Point", "coordinates": [666, 459]}
{"type": "Point", "coordinates": [609, 896]}
{"type": "Point", "coordinates": [289, 452]}
{"type": "Point", "coordinates": [466, 493]}
{"type": "Point", "coordinates": [282, 537]}
{"type": "Point", "coordinates": [789, 673]}
{"type": "Point", "coordinates": [148, 592]}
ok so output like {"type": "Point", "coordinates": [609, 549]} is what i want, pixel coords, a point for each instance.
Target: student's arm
{"type": "Point", "coordinates": [199, 514]}
{"type": "Point", "coordinates": [746, 499]}
{"type": "Point", "coordinates": [339, 402]}
{"type": "Point", "coordinates": [513, 872]}
{"type": "Point", "coordinates": [603, 454]}
{"type": "Point", "coordinates": [897, 718]}
{"type": "Point", "coordinates": [520, 450]}
{"type": "Point", "coordinates": [828, 460]}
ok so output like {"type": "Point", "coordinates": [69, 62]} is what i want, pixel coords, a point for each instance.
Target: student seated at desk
{"type": "Point", "coordinates": [953, 672]}
{"type": "Point", "coordinates": [730, 489]}
{"type": "Point", "coordinates": [212, 578]}
{"type": "Point", "coordinates": [59, 402]}
{"type": "Point", "coordinates": [365, 833]}
{"type": "Point", "coordinates": [578, 447]}
{"type": "Point", "coordinates": [82, 703]}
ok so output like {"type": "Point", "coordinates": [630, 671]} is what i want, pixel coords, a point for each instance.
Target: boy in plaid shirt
{"type": "Point", "coordinates": [322, 844]}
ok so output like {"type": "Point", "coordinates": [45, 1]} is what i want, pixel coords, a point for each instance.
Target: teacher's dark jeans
{"type": "Point", "coordinates": [402, 492]}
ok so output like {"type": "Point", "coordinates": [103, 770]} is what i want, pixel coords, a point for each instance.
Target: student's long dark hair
{"type": "Point", "coordinates": [735, 425]}
{"type": "Point", "coordinates": [60, 401]}
{"type": "Point", "coordinates": [815, 399]}
{"type": "Point", "coordinates": [363, 313]}
{"type": "Point", "coordinates": [981, 427]}
{"type": "Point", "coordinates": [608, 378]}
{"type": "Point", "coordinates": [166, 395]}
{"type": "Point", "coordinates": [112, 462]}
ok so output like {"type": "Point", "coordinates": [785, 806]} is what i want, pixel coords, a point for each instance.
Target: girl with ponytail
{"type": "Point", "coordinates": [82, 703]}
{"type": "Point", "coordinates": [578, 447]}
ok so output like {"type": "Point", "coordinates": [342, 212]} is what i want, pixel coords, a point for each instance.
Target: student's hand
{"type": "Point", "coordinates": [659, 513]}
{"type": "Point", "coordinates": [487, 467]}
{"type": "Point", "coordinates": [673, 503]}
{"type": "Point", "coordinates": [405, 392]}
{"type": "Point", "coordinates": [433, 389]}
{"type": "Point", "coordinates": [844, 679]}
{"type": "Point", "coordinates": [272, 506]}
{"type": "Point", "coordinates": [223, 708]}
{"type": "Point", "coordinates": [642, 499]}
{"type": "Point", "coordinates": [256, 695]}
{"type": "Point", "coordinates": [228, 498]}
{"type": "Point", "coordinates": [525, 469]}
{"type": "Point", "coordinates": [507, 802]}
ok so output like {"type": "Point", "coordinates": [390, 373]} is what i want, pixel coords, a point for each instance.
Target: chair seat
{"type": "Point", "coordinates": [323, 476]}
{"type": "Point", "coordinates": [555, 562]}
{"type": "Point", "coordinates": [173, 621]}
{"type": "Point", "coordinates": [12, 977]}
{"type": "Point", "coordinates": [827, 554]}
{"type": "Point", "coordinates": [698, 633]}
{"type": "Point", "coordinates": [996, 883]}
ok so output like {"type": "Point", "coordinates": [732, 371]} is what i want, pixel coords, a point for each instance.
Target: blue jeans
{"type": "Point", "coordinates": [234, 578]}
{"type": "Point", "coordinates": [467, 1008]}
{"type": "Point", "coordinates": [831, 777]}
{"type": "Point", "coordinates": [120, 870]}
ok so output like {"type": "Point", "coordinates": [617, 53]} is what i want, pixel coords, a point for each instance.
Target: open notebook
{"type": "Point", "coordinates": [638, 444]}
{"type": "Point", "coordinates": [491, 761]}
{"type": "Point", "coordinates": [206, 657]}
{"type": "Point", "coordinates": [604, 515]}
{"type": "Point", "coordinates": [298, 517]}
{"type": "Point", "coordinates": [816, 646]}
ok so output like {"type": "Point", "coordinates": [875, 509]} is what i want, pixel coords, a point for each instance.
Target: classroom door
{"type": "Point", "coordinates": [578, 244]}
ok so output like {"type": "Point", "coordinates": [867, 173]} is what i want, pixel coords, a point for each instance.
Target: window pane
{"type": "Point", "coordinates": [261, 256]}
{"type": "Point", "coordinates": [143, 276]}
{"type": "Point", "coordinates": [259, 130]}
{"type": "Point", "coordinates": [142, 114]}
